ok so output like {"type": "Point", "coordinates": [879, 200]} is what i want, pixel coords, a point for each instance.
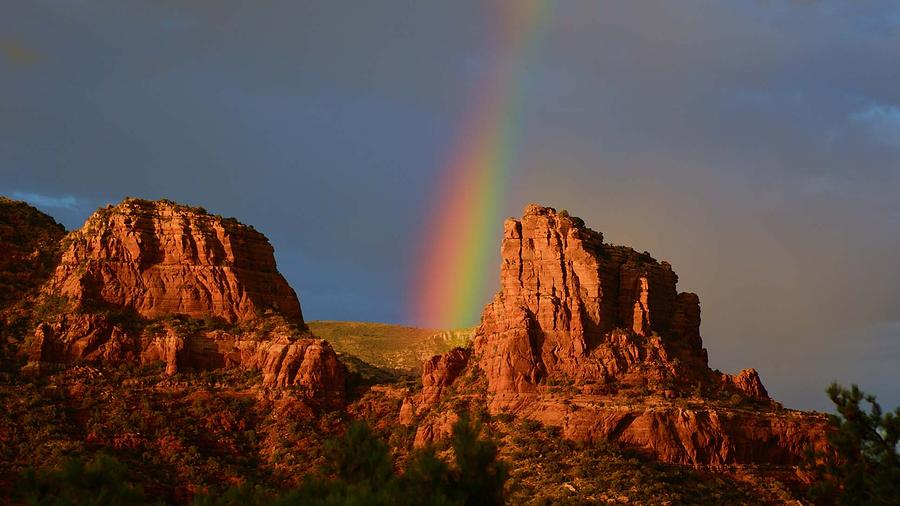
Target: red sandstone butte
{"type": "Point", "coordinates": [161, 258]}
{"type": "Point", "coordinates": [597, 340]}
{"type": "Point", "coordinates": [131, 275]}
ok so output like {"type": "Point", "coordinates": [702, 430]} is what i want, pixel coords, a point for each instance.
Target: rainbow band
{"type": "Point", "coordinates": [452, 279]}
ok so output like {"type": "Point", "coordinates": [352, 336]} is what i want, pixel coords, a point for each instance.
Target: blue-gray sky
{"type": "Point", "coordinates": [754, 145]}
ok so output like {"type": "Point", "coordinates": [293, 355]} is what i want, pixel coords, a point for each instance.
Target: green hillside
{"type": "Point", "coordinates": [389, 346]}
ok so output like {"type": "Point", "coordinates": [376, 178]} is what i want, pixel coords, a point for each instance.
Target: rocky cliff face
{"type": "Point", "coordinates": [597, 340]}
{"type": "Point", "coordinates": [285, 356]}
{"type": "Point", "coordinates": [156, 281]}
{"type": "Point", "coordinates": [572, 309]}
{"type": "Point", "coordinates": [441, 371]}
{"type": "Point", "coordinates": [285, 359]}
{"type": "Point", "coordinates": [161, 258]}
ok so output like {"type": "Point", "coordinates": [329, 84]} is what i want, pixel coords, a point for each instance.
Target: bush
{"type": "Point", "coordinates": [102, 480]}
{"type": "Point", "coordinates": [479, 477]}
{"type": "Point", "coordinates": [51, 306]}
{"type": "Point", "coordinates": [359, 456]}
{"type": "Point", "coordinates": [360, 472]}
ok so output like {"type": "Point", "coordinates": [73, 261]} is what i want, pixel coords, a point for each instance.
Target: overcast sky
{"type": "Point", "coordinates": [754, 145]}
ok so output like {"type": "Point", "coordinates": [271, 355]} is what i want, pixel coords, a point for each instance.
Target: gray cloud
{"type": "Point", "coordinates": [883, 120]}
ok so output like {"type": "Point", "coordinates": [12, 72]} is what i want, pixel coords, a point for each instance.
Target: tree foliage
{"type": "Point", "coordinates": [100, 481]}
{"type": "Point", "coordinates": [360, 472]}
{"type": "Point", "coordinates": [358, 456]}
{"type": "Point", "coordinates": [862, 464]}
{"type": "Point", "coordinates": [479, 476]}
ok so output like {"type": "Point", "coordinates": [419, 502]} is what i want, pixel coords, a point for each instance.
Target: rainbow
{"type": "Point", "coordinates": [451, 279]}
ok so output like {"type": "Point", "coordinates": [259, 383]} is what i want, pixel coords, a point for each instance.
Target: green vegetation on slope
{"type": "Point", "coordinates": [358, 470]}
{"type": "Point", "coordinates": [389, 346]}
{"type": "Point", "coordinates": [198, 434]}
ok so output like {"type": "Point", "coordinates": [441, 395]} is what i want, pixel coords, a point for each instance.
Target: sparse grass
{"type": "Point", "coordinates": [389, 346]}
{"type": "Point", "coordinates": [551, 470]}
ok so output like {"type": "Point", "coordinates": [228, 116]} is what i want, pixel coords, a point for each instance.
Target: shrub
{"type": "Point", "coordinates": [360, 472]}
{"type": "Point", "coordinates": [102, 480]}
{"type": "Point", "coordinates": [359, 456]}
{"type": "Point", "coordinates": [479, 475]}
{"type": "Point", "coordinates": [51, 306]}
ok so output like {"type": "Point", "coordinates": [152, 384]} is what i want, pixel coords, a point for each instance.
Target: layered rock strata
{"type": "Point", "coordinates": [155, 281]}
{"type": "Point", "coordinates": [596, 339]}
{"type": "Point", "coordinates": [161, 258]}
{"type": "Point", "coordinates": [572, 308]}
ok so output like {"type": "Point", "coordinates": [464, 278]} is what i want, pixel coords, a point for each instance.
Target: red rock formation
{"type": "Point", "coordinates": [440, 371]}
{"type": "Point", "coordinates": [71, 337]}
{"type": "Point", "coordinates": [161, 258]}
{"type": "Point", "coordinates": [273, 348]}
{"type": "Point", "coordinates": [746, 382]}
{"type": "Point", "coordinates": [708, 436]}
{"type": "Point", "coordinates": [595, 339]}
{"type": "Point", "coordinates": [145, 260]}
{"type": "Point", "coordinates": [563, 295]}
{"type": "Point", "coordinates": [439, 428]}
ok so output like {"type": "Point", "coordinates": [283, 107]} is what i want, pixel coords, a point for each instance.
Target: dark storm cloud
{"type": "Point", "coordinates": [755, 145]}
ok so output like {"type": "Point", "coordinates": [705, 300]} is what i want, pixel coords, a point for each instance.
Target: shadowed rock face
{"type": "Point", "coordinates": [596, 339]}
{"type": "Point", "coordinates": [161, 258]}
{"type": "Point", "coordinates": [28, 248]}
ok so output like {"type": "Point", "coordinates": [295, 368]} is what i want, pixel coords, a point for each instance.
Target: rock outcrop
{"type": "Point", "coordinates": [161, 258]}
{"type": "Point", "coordinates": [748, 383]}
{"type": "Point", "coordinates": [440, 371]}
{"type": "Point", "coordinates": [71, 337]}
{"type": "Point", "coordinates": [284, 356]}
{"type": "Point", "coordinates": [696, 433]}
{"type": "Point", "coordinates": [596, 339]}
{"type": "Point", "coordinates": [285, 359]}
{"type": "Point", "coordinates": [572, 308]}
{"type": "Point", "coordinates": [156, 281]}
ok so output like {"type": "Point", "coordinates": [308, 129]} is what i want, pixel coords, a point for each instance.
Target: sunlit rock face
{"type": "Point", "coordinates": [573, 308]}
{"type": "Point", "coordinates": [160, 258]}
{"type": "Point", "coordinates": [154, 281]}
{"type": "Point", "coordinates": [596, 339]}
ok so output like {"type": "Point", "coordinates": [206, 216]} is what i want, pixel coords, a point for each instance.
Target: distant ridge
{"type": "Point", "coordinates": [388, 345]}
